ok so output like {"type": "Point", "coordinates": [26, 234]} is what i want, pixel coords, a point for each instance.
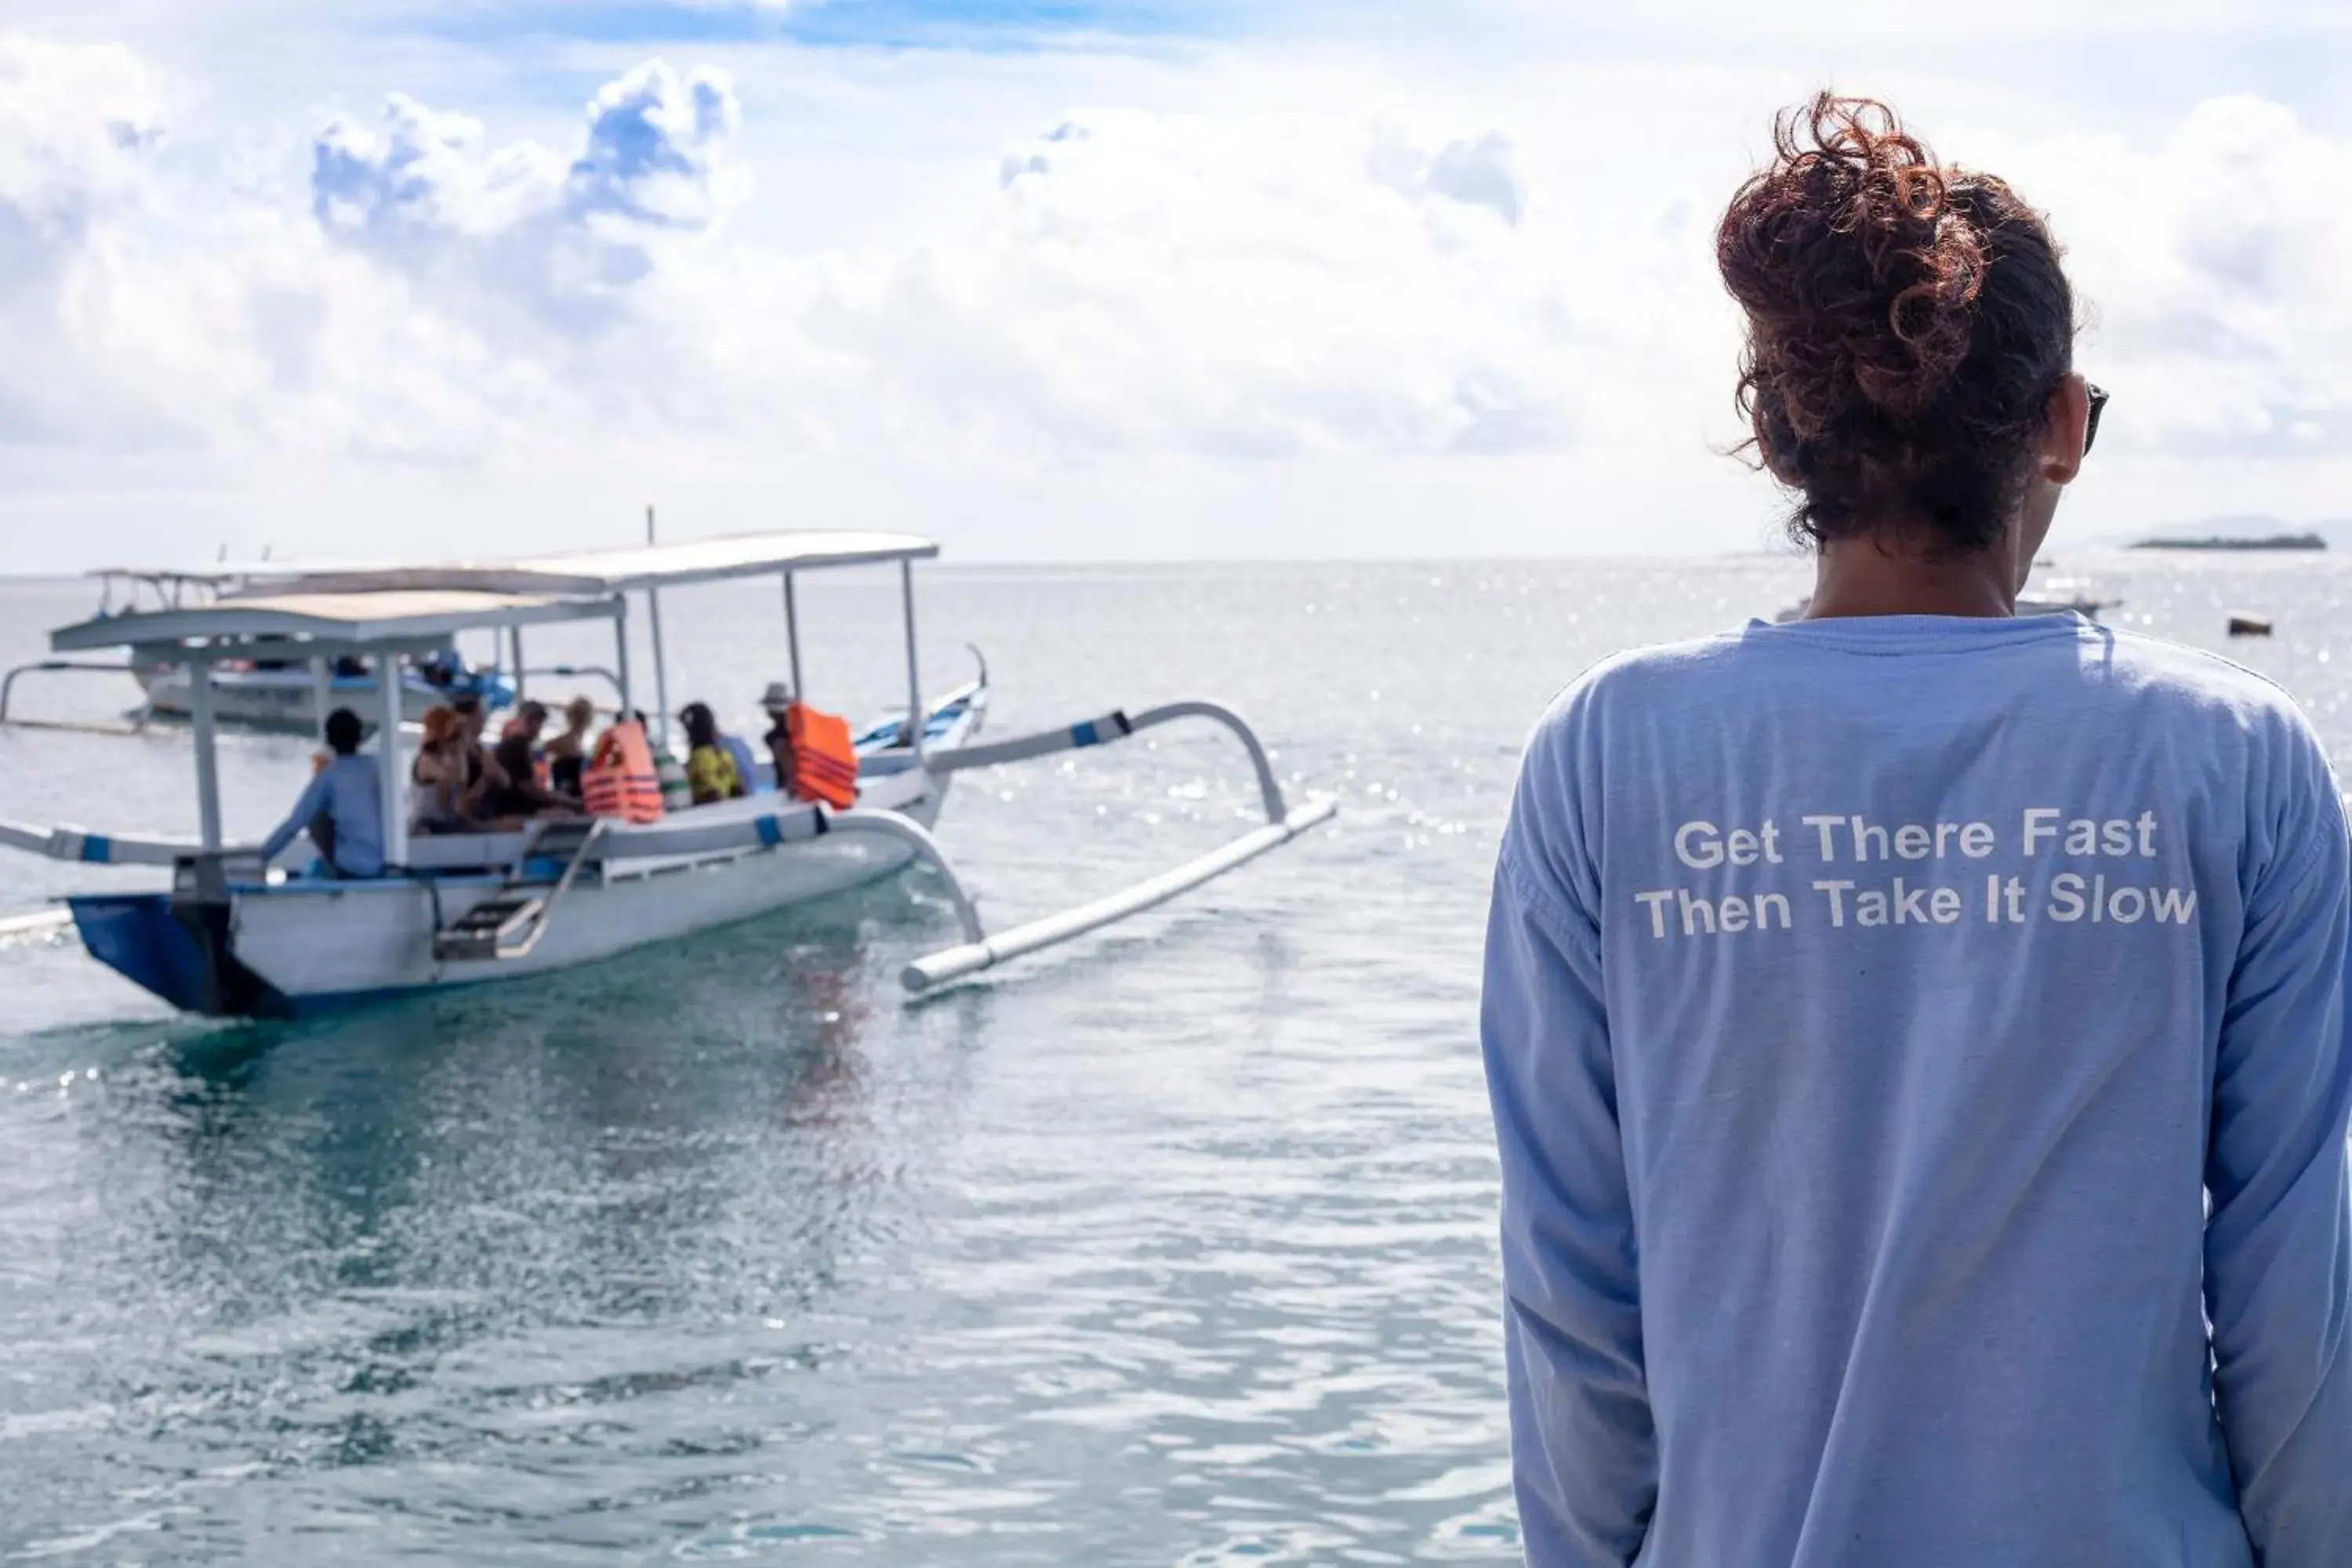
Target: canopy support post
{"type": "Point", "coordinates": [200, 711]}
{"type": "Point", "coordinates": [320, 698]}
{"type": "Point", "coordinates": [661, 669]}
{"type": "Point", "coordinates": [915, 714]}
{"type": "Point", "coordinates": [392, 779]}
{"type": "Point", "coordinates": [792, 637]}
{"type": "Point", "coordinates": [514, 651]}
{"type": "Point", "coordinates": [621, 652]}
{"type": "Point", "coordinates": [661, 663]}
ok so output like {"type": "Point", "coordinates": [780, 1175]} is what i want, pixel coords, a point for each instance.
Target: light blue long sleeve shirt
{"type": "Point", "coordinates": [1905, 1037]}
{"type": "Point", "coordinates": [350, 792]}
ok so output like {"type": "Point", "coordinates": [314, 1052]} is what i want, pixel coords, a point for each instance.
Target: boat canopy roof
{"type": "Point", "coordinates": [633, 566]}
{"type": "Point", "coordinates": [207, 576]}
{"type": "Point", "coordinates": [329, 624]}
{"type": "Point", "coordinates": [222, 573]}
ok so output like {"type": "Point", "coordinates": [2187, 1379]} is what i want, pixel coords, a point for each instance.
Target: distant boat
{"type": "Point", "coordinates": [2048, 595]}
{"type": "Point", "coordinates": [289, 696]}
{"type": "Point", "coordinates": [265, 692]}
{"type": "Point", "coordinates": [2226, 541]}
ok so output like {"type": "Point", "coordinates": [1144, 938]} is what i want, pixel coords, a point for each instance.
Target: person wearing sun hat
{"type": "Point", "coordinates": [777, 701]}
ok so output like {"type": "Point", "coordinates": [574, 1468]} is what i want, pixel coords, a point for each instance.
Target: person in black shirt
{"type": "Point", "coordinates": [515, 790]}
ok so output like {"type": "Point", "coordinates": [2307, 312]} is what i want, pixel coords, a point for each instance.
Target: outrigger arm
{"type": "Point", "coordinates": [979, 951]}
{"type": "Point", "coordinates": [800, 822]}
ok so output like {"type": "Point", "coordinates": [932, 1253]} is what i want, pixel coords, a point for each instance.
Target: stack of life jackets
{"type": "Point", "coordinates": [824, 758]}
{"type": "Point", "coordinates": [619, 780]}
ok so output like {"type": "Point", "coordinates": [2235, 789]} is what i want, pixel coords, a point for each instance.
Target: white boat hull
{"type": "Point", "coordinates": [306, 944]}
{"type": "Point", "coordinates": [330, 943]}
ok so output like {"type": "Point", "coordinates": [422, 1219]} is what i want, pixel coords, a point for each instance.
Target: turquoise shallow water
{"type": "Point", "coordinates": [1173, 1247]}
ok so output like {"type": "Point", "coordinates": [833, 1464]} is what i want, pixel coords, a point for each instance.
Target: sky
{"type": "Point", "coordinates": [1077, 280]}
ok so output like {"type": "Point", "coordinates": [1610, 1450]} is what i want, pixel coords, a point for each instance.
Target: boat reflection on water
{"type": "Point", "coordinates": [479, 1225]}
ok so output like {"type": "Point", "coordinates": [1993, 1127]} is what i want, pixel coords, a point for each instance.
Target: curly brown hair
{"type": "Point", "coordinates": [1907, 324]}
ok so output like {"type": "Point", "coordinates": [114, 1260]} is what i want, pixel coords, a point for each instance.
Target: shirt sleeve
{"type": "Point", "coordinates": [2278, 1244]}
{"type": "Point", "coordinates": [1583, 1446]}
{"type": "Point", "coordinates": [313, 797]}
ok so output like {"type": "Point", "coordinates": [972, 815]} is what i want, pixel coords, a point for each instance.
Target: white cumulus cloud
{"type": "Point", "coordinates": [1324, 276]}
{"type": "Point", "coordinates": [2213, 263]}
{"type": "Point", "coordinates": [421, 189]}
{"type": "Point", "coordinates": [1483, 171]}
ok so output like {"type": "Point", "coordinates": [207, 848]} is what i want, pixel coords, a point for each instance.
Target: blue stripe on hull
{"type": "Point", "coordinates": [137, 936]}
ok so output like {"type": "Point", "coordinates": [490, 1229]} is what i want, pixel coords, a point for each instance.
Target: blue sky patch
{"type": "Point", "coordinates": [889, 23]}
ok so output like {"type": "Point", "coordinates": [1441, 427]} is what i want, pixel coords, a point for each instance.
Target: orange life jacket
{"type": "Point", "coordinates": [824, 758]}
{"type": "Point", "coordinates": [619, 780]}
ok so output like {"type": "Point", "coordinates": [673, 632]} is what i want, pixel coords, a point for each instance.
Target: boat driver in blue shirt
{"type": "Point", "coordinates": [342, 810]}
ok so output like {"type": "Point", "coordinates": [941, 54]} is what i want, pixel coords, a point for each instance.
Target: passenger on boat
{"type": "Point", "coordinates": [485, 779]}
{"type": "Point", "coordinates": [619, 780]}
{"type": "Point", "coordinates": [439, 800]}
{"type": "Point", "coordinates": [777, 703]}
{"type": "Point", "coordinates": [668, 771]}
{"type": "Point", "coordinates": [568, 753]}
{"type": "Point", "coordinates": [342, 809]}
{"type": "Point", "coordinates": [711, 772]}
{"type": "Point", "coordinates": [747, 767]}
{"type": "Point", "coordinates": [522, 794]}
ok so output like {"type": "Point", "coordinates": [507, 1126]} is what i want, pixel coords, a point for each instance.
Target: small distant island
{"type": "Point", "coordinates": [2223, 542]}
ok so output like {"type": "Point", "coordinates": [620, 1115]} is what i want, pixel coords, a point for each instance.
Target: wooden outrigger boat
{"type": "Point", "coordinates": [271, 691]}
{"type": "Point", "coordinates": [231, 936]}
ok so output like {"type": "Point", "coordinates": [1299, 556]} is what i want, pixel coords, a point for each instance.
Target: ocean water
{"type": "Point", "coordinates": [1173, 1247]}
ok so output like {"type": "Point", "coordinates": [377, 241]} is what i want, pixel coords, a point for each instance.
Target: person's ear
{"type": "Point", "coordinates": [2065, 426]}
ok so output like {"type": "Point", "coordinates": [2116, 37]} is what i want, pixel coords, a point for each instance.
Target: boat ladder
{"type": "Point", "coordinates": [509, 922]}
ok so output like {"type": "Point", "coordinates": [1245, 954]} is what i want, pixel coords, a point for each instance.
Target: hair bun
{"type": "Point", "coordinates": [1858, 273]}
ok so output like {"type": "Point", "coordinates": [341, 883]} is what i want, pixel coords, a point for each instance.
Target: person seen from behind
{"type": "Point", "coordinates": [517, 756]}
{"type": "Point", "coordinates": [747, 766]}
{"type": "Point", "coordinates": [1917, 1035]}
{"type": "Point", "coordinates": [439, 799]}
{"type": "Point", "coordinates": [620, 780]}
{"type": "Point", "coordinates": [777, 704]}
{"type": "Point", "coordinates": [567, 754]}
{"type": "Point", "coordinates": [342, 809]}
{"type": "Point", "coordinates": [710, 770]}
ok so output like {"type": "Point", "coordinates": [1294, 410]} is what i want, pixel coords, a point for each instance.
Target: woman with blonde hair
{"type": "Point", "coordinates": [567, 754]}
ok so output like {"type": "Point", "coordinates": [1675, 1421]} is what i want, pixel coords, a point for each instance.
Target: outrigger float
{"type": "Point", "coordinates": [234, 937]}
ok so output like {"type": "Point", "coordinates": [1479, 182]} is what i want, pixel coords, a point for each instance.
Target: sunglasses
{"type": "Point", "coordinates": [2098, 407]}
